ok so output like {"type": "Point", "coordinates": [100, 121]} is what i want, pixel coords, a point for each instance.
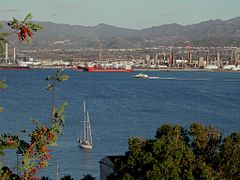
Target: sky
{"type": "Point", "coordinates": [135, 14]}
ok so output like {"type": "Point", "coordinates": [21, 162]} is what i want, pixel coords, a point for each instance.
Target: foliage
{"type": "Point", "coordinates": [7, 174]}
{"type": "Point", "coordinates": [66, 177]}
{"type": "Point", "coordinates": [45, 178]}
{"type": "Point", "coordinates": [36, 153]}
{"type": "Point", "coordinates": [205, 145]}
{"type": "Point", "coordinates": [52, 83]}
{"type": "Point", "coordinates": [88, 177]}
{"type": "Point", "coordinates": [230, 157]}
{"type": "Point", "coordinates": [177, 153]}
{"type": "Point", "coordinates": [3, 85]}
{"type": "Point", "coordinates": [2, 40]}
{"type": "Point", "coordinates": [25, 28]}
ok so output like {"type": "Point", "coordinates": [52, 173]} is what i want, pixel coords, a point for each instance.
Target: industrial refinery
{"type": "Point", "coordinates": [149, 58]}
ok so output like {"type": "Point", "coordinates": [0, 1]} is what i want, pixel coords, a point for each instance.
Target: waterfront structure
{"type": "Point", "coordinates": [161, 57]}
{"type": "Point", "coordinates": [107, 166]}
{"type": "Point", "coordinates": [237, 56]}
{"type": "Point", "coordinates": [201, 63]}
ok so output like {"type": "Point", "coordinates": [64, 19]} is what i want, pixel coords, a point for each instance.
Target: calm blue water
{"type": "Point", "coordinates": [120, 107]}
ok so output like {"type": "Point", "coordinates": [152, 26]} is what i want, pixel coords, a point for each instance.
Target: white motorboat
{"type": "Point", "coordinates": [141, 75]}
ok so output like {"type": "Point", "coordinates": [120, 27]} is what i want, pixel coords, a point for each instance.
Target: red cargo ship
{"type": "Point", "coordinates": [100, 69]}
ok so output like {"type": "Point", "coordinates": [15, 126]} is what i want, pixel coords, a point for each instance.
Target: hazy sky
{"type": "Point", "coordinates": [135, 14]}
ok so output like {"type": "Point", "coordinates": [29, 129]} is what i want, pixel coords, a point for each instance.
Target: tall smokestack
{"type": "Point", "coordinates": [6, 53]}
{"type": "Point", "coordinates": [190, 56]}
{"type": "Point", "coordinates": [218, 58]}
{"type": "Point", "coordinates": [14, 54]}
{"type": "Point", "coordinates": [207, 58]}
{"type": "Point", "coordinates": [171, 59]}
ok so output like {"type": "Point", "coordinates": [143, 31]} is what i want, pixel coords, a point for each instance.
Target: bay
{"type": "Point", "coordinates": [120, 107]}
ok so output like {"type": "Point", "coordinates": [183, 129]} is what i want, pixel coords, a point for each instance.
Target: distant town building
{"type": "Point", "coordinates": [201, 62]}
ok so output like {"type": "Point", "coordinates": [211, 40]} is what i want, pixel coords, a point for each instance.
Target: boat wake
{"type": "Point", "coordinates": [180, 79]}
{"type": "Point", "coordinates": [197, 79]}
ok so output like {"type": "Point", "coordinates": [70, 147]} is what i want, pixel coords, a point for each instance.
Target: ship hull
{"type": "Point", "coordinates": [93, 69]}
{"type": "Point", "coordinates": [14, 68]}
{"type": "Point", "coordinates": [86, 146]}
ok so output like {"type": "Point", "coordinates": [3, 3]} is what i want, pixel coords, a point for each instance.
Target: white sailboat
{"type": "Point", "coordinates": [85, 133]}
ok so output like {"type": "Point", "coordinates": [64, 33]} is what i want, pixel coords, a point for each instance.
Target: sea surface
{"type": "Point", "coordinates": [120, 107]}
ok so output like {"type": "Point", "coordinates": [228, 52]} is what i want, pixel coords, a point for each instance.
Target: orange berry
{"type": "Point", "coordinates": [44, 148]}
{"type": "Point", "coordinates": [10, 141]}
{"type": "Point", "coordinates": [44, 129]}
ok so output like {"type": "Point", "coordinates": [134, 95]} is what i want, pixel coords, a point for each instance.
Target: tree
{"type": "Point", "coordinates": [230, 157]}
{"type": "Point", "coordinates": [45, 178]}
{"type": "Point", "coordinates": [172, 153]}
{"type": "Point", "coordinates": [66, 177]}
{"type": "Point", "coordinates": [177, 153]}
{"type": "Point", "coordinates": [160, 157]}
{"type": "Point", "coordinates": [35, 154]}
{"type": "Point", "coordinates": [205, 145]}
{"type": "Point", "coordinates": [88, 177]}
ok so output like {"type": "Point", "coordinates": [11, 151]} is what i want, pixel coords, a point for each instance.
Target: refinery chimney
{"type": "Point", "coordinates": [218, 58]}
{"type": "Point", "coordinates": [14, 54]}
{"type": "Point", "coordinates": [207, 58]}
{"type": "Point", "coordinates": [6, 53]}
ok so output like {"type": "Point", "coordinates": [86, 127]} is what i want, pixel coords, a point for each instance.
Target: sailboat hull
{"type": "Point", "coordinates": [85, 145]}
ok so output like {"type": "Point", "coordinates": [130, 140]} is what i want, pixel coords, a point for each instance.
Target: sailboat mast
{"type": "Point", "coordinates": [57, 173]}
{"type": "Point", "coordinates": [89, 129]}
{"type": "Point", "coordinates": [84, 120]}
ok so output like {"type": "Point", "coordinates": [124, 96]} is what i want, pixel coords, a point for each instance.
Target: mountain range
{"type": "Point", "coordinates": [208, 33]}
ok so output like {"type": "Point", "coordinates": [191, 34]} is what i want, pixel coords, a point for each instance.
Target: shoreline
{"type": "Point", "coordinates": [134, 69]}
{"type": "Point", "coordinates": [184, 70]}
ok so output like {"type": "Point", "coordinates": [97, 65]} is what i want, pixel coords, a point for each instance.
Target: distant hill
{"type": "Point", "coordinates": [209, 33]}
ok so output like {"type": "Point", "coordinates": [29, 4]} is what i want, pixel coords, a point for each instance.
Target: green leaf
{"type": "Point", "coordinates": [34, 27]}
{"type": "Point", "coordinates": [35, 122]}
{"type": "Point", "coordinates": [26, 161]}
{"type": "Point", "coordinates": [29, 41]}
{"type": "Point", "coordinates": [1, 109]}
{"type": "Point", "coordinates": [28, 17]}
{"type": "Point", "coordinates": [48, 78]}
{"type": "Point", "coordinates": [64, 77]}
{"type": "Point", "coordinates": [53, 143]}
{"type": "Point", "coordinates": [60, 77]}
{"type": "Point", "coordinates": [3, 84]}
